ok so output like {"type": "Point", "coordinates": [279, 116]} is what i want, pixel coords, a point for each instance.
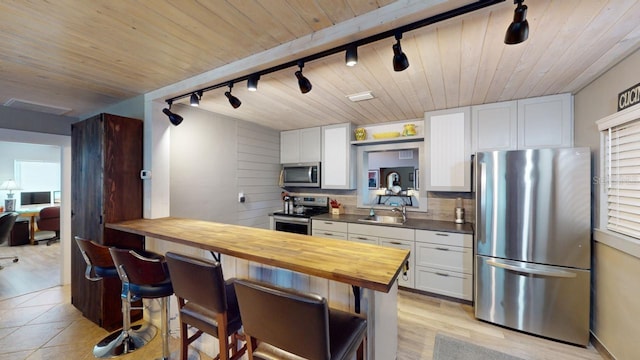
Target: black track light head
{"type": "Point", "coordinates": [234, 101]}
{"type": "Point", "coordinates": [195, 98]}
{"type": "Point", "coordinates": [518, 31]}
{"type": "Point", "coordinates": [303, 82]}
{"type": "Point", "coordinates": [252, 82]}
{"type": "Point", "coordinates": [400, 60]}
{"type": "Point", "coordinates": [351, 55]}
{"type": "Point", "coordinates": [174, 118]}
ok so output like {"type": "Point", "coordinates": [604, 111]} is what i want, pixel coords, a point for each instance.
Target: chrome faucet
{"type": "Point", "coordinates": [402, 211]}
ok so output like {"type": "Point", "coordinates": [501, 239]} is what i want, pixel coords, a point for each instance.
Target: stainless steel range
{"type": "Point", "coordinates": [298, 220]}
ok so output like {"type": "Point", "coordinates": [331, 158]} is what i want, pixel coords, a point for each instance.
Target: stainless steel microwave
{"type": "Point", "coordinates": [301, 175]}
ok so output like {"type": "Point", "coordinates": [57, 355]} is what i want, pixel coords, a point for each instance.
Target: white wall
{"type": "Point", "coordinates": [615, 293]}
{"type": "Point", "coordinates": [12, 151]}
{"type": "Point", "coordinates": [203, 166]}
{"type": "Point", "coordinates": [213, 158]}
{"type": "Point", "coordinates": [63, 144]}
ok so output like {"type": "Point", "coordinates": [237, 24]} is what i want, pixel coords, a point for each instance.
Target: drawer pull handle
{"type": "Point", "coordinates": [328, 223]}
{"type": "Point", "coordinates": [330, 234]}
{"type": "Point", "coordinates": [442, 249]}
{"type": "Point", "coordinates": [440, 234]}
{"type": "Point", "coordinates": [361, 238]}
{"type": "Point", "coordinates": [395, 243]}
{"type": "Point", "coordinates": [441, 274]}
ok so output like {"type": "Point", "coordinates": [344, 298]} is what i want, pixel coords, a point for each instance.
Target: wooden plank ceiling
{"type": "Point", "coordinates": [85, 55]}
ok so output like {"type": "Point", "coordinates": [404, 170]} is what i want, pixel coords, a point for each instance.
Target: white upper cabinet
{"type": "Point", "coordinates": [338, 168]}
{"type": "Point", "coordinates": [494, 126]}
{"type": "Point", "coordinates": [448, 150]}
{"type": "Point", "coordinates": [540, 122]}
{"type": "Point", "coordinates": [300, 146]}
{"type": "Point", "coordinates": [545, 122]}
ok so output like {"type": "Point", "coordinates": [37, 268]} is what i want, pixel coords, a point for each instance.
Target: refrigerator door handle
{"type": "Point", "coordinates": [533, 269]}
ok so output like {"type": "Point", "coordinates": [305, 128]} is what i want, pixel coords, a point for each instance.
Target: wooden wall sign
{"type": "Point", "coordinates": [629, 97]}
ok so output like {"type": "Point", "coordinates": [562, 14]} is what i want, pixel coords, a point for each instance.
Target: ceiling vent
{"type": "Point", "coordinates": [34, 106]}
{"type": "Point", "coordinates": [366, 95]}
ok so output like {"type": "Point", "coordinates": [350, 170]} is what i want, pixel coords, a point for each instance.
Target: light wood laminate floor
{"type": "Point", "coordinates": [44, 325]}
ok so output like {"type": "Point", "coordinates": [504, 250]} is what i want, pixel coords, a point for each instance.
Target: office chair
{"type": "Point", "coordinates": [48, 225]}
{"type": "Point", "coordinates": [6, 224]}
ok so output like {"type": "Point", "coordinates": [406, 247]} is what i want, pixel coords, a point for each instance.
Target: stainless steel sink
{"type": "Point", "coordinates": [381, 219]}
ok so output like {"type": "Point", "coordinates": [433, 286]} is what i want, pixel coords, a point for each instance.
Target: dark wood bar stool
{"type": "Point", "coordinates": [100, 265]}
{"type": "Point", "coordinates": [144, 275]}
{"type": "Point", "coordinates": [286, 324]}
{"type": "Point", "coordinates": [206, 302]}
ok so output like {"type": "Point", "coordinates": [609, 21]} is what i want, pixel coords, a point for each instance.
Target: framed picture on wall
{"type": "Point", "coordinates": [374, 182]}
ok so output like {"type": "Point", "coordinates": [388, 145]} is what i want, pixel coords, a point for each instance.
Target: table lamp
{"type": "Point", "coordinates": [9, 202]}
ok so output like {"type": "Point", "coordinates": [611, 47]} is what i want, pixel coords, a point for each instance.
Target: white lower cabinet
{"type": "Point", "coordinates": [390, 236]}
{"type": "Point", "coordinates": [407, 274]}
{"type": "Point", "coordinates": [439, 262]}
{"type": "Point", "coordinates": [329, 229]}
{"type": "Point", "coordinates": [444, 263]}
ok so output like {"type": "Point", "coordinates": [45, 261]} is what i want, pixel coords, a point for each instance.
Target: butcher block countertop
{"type": "Point", "coordinates": [368, 266]}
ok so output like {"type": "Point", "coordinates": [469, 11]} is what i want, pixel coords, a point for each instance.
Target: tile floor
{"type": "Point", "coordinates": [44, 325]}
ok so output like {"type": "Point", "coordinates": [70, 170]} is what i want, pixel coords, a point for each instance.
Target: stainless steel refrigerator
{"type": "Point", "coordinates": [533, 248]}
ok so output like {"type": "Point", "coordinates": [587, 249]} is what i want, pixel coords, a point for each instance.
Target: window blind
{"type": "Point", "coordinates": [622, 164]}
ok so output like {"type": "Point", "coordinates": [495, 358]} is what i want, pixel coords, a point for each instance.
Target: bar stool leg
{"type": "Point", "coordinates": [130, 338]}
{"type": "Point", "coordinates": [164, 323]}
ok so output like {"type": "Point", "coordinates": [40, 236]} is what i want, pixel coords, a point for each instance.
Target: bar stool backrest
{"type": "Point", "coordinates": [198, 280]}
{"type": "Point", "coordinates": [139, 267]}
{"type": "Point", "coordinates": [98, 259]}
{"type": "Point", "coordinates": [292, 321]}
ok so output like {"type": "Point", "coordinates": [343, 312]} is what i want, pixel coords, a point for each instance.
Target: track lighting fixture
{"type": "Point", "coordinates": [195, 98]}
{"type": "Point", "coordinates": [174, 118]}
{"type": "Point", "coordinates": [518, 31]}
{"type": "Point", "coordinates": [252, 82]}
{"type": "Point", "coordinates": [303, 82]}
{"type": "Point", "coordinates": [351, 55]}
{"type": "Point", "coordinates": [234, 101]}
{"type": "Point", "coordinates": [400, 61]}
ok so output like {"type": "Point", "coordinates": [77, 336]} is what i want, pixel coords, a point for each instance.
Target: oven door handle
{"type": "Point", "coordinates": [291, 219]}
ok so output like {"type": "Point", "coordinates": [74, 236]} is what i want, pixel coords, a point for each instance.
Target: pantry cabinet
{"type": "Point", "coordinates": [300, 146]}
{"type": "Point", "coordinates": [444, 263]}
{"type": "Point", "coordinates": [338, 168]}
{"type": "Point", "coordinates": [448, 150]}
{"type": "Point", "coordinates": [106, 159]}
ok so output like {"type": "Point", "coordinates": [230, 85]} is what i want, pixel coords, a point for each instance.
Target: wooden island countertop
{"type": "Point", "coordinates": [367, 266]}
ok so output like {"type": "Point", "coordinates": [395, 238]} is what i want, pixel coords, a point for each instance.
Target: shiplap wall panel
{"type": "Point", "coordinates": [258, 171]}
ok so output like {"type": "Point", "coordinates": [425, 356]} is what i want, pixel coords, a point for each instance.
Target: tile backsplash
{"type": "Point", "coordinates": [440, 206]}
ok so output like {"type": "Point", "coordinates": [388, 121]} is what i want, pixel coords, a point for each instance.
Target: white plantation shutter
{"type": "Point", "coordinates": [622, 167]}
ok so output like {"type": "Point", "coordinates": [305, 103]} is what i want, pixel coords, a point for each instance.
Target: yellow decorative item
{"type": "Point", "coordinates": [386, 135]}
{"type": "Point", "coordinates": [409, 130]}
{"type": "Point", "coordinates": [361, 134]}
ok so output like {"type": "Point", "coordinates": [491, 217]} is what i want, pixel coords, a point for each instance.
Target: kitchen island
{"type": "Point", "coordinates": [374, 269]}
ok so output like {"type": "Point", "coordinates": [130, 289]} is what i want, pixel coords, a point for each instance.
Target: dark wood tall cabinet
{"type": "Point", "coordinates": [106, 152]}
